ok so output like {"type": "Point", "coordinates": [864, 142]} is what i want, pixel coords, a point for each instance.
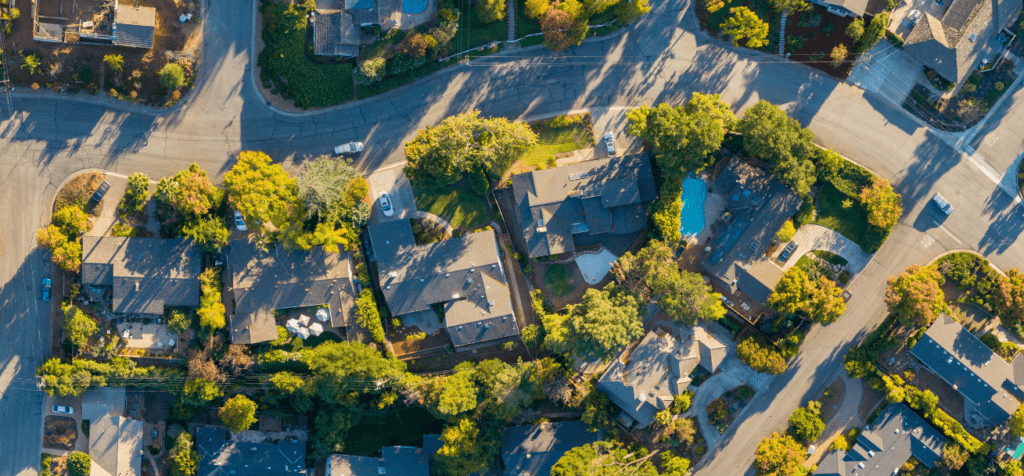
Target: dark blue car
{"type": "Point", "coordinates": [46, 289]}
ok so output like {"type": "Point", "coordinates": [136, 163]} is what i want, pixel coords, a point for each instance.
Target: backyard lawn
{"type": "Point", "coordinates": [556, 140]}
{"type": "Point", "coordinates": [459, 206]}
{"type": "Point", "coordinates": [556, 279]}
{"type": "Point", "coordinates": [831, 257]}
{"type": "Point", "coordinates": [851, 222]}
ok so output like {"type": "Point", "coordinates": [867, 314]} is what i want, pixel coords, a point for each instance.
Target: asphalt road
{"type": "Point", "coordinates": [45, 139]}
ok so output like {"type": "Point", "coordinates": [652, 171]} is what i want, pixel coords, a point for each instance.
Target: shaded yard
{"type": "Point", "coordinates": [556, 279]}
{"type": "Point", "coordinates": [403, 427]}
{"type": "Point", "coordinates": [850, 221]}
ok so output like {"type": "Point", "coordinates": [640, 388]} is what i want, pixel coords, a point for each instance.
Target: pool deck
{"type": "Point", "coordinates": [409, 21]}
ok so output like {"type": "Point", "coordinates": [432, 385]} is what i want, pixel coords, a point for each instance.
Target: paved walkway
{"type": "Point", "coordinates": [817, 237]}
{"type": "Point", "coordinates": [847, 417]}
{"type": "Point", "coordinates": [511, 4]}
{"type": "Point", "coordinates": [887, 71]}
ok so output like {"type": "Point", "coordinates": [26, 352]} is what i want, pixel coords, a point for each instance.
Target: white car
{"type": "Point", "coordinates": [63, 409]}
{"type": "Point", "coordinates": [350, 148]}
{"type": "Point", "coordinates": [385, 204]}
{"type": "Point", "coordinates": [609, 143]}
{"type": "Point", "coordinates": [942, 204]}
{"type": "Point", "coordinates": [240, 222]}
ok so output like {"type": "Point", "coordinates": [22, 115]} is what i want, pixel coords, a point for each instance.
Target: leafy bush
{"type": "Point", "coordinates": [79, 464]}
{"type": "Point", "coordinates": [172, 76]}
{"type": "Point", "coordinates": [761, 356]}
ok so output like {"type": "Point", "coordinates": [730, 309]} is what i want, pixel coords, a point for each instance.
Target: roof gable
{"type": "Point", "coordinates": [882, 448]}
{"type": "Point", "coordinates": [133, 26]}
{"type": "Point", "coordinates": [147, 274]}
{"type": "Point", "coordinates": [534, 449]}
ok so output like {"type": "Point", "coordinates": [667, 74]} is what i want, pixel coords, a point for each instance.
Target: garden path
{"type": "Point", "coordinates": [817, 237]}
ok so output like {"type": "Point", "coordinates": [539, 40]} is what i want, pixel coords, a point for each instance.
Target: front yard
{"type": "Point", "coordinates": [723, 410]}
{"type": "Point", "coordinates": [970, 104]}
{"type": "Point", "coordinates": [460, 206]}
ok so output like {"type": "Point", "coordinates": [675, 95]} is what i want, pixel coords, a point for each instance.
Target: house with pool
{"type": "Point", "coordinates": [563, 209]}
{"type": "Point", "coordinates": [756, 206]}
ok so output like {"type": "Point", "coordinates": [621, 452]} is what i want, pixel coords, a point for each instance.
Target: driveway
{"type": "Point", "coordinates": [393, 182]}
{"type": "Point", "coordinates": [612, 119]}
{"type": "Point", "coordinates": [817, 237]}
{"type": "Point", "coordinates": [82, 442]}
{"type": "Point", "coordinates": [887, 71]}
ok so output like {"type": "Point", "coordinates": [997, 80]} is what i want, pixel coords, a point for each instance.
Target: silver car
{"type": "Point", "coordinates": [609, 143]}
{"type": "Point", "coordinates": [942, 204]}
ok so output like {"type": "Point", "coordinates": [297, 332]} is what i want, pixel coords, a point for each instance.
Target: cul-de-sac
{"type": "Point", "coordinates": [511, 237]}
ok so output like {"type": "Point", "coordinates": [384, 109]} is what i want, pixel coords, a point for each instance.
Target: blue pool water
{"type": "Point", "coordinates": [414, 6]}
{"type": "Point", "coordinates": [692, 217]}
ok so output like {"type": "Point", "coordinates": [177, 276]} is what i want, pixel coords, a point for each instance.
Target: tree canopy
{"type": "Point", "coordinates": [773, 136]}
{"type": "Point", "coordinates": [65, 251]}
{"type": "Point", "coordinates": [466, 449]}
{"type": "Point", "coordinates": [238, 413]}
{"type": "Point", "coordinates": [883, 204]}
{"type": "Point", "coordinates": [630, 11]}
{"type": "Point", "coordinates": [683, 137]}
{"type": "Point", "coordinates": [260, 190]}
{"type": "Point", "coordinates": [1011, 296]}
{"type": "Point", "coordinates": [439, 155]}
{"type": "Point", "coordinates": [761, 356]}
{"type": "Point", "coordinates": [78, 327]}
{"type": "Point", "coordinates": [490, 11]}
{"type": "Point", "coordinates": [745, 24]}
{"type": "Point", "coordinates": [452, 396]}
{"type": "Point", "coordinates": [779, 455]}
{"type": "Point", "coordinates": [184, 456]}
{"type": "Point", "coordinates": [79, 464]}
{"type": "Point", "coordinates": [343, 368]}
{"type": "Point", "coordinates": [603, 458]}
{"type": "Point", "coordinates": [189, 191]}
{"type": "Point", "coordinates": [595, 329]}
{"type": "Point", "coordinates": [818, 299]}
{"type": "Point", "coordinates": [806, 423]}
{"type": "Point", "coordinates": [653, 272]}
{"type": "Point", "coordinates": [331, 188]}
{"type": "Point", "coordinates": [915, 295]}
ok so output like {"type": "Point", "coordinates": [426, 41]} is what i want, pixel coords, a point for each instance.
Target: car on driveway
{"type": "Point", "coordinates": [240, 222]}
{"type": "Point", "coordinates": [46, 289]}
{"type": "Point", "coordinates": [788, 251]}
{"type": "Point", "coordinates": [609, 143]}
{"type": "Point", "coordinates": [942, 204]}
{"type": "Point", "coordinates": [63, 409]}
{"type": "Point", "coordinates": [100, 192]}
{"type": "Point", "coordinates": [385, 204]}
{"type": "Point", "coordinates": [350, 148]}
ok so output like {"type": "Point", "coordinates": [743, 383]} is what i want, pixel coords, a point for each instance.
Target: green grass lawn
{"type": "Point", "coordinates": [831, 257]}
{"type": "Point", "coordinates": [524, 24]}
{"type": "Point", "coordinates": [472, 32]}
{"type": "Point", "coordinates": [850, 222]}
{"type": "Point", "coordinates": [555, 140]}
{"type": "Point", "coordinates": [556, 279]}
{"type": "Point", "coordinates": [460, 206]}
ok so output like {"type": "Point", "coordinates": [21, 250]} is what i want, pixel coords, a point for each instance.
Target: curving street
{"type": "Point", "coordinates": [44, 139]}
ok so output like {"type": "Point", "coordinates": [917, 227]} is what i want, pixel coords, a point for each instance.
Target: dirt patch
{"type": "Point", "coordinates": [59, 466]}
{"type": "Point", "coordinates": [409, 346]}
{"type": "Point", "coordinates": [831, 399]}
{"type": "Point", "coordinates": [75, 67]}
{"type": "Point", "coordinates": [559, 303]}
{"type": "Point", "coordinates": [78, 190]}
{"type": "Point", "coordinates": [723, 410]}
{"type": "Point", "coordinates": [59, 433]}
{"type": "Point", "coordinates": [813, 33]}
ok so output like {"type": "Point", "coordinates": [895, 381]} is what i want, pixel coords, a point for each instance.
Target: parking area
{"type": "Point", "coordinates": [887, 71]}
{"type": "Point", "coordinates": [393, 182]}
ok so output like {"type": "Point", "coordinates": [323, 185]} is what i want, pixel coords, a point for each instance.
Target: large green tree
{"type": "Point", "coordinates": [771, 135]}
{"type": "Point", "coordinates": [342, 369]}
{"type": "Point", "coordinates": [806, 423]}
{"type": "Point", "coordinates": [603, 324]}
{"type": "Point", "coordinates": [604, 458]}
{"type": "Point", "coordinates": [490, 11]}
{"type": "Point", "coordinates": [331, 188]}
{"type": "Point", "coordinates": [629, 11]}
{"type": "Point", "coordinates": [916, 295]}
{"type": "Point", "coordinates": [466, 449]}
{"type": "Point", "coordinates": [238, 413]}
{"type": "Point", "coordinates": [211, 307]}
{"type": "Point", "coordinates": [683, 137]}
{"type": "Point", "coordinates": [745, 24]}
{"type": "Point", "coordinates": [136, 194]}
{"type": "Point", "coordinates": [452, 396]}
{"type": "Point", "coordinates": [78, 327]}
{"type": "Point", "coordinates": [439, 155]}
{"type": "Point", "coordinates": [184, 456]}
{"type": "Point", "coordinates": [883, 204]}
{"type": "Point", "coordinates": [260, 190]}
{"type": "Point", "coordinates": [761, 356]}
{"type": "Point", "coordinates": [816, 298]}
{"type": "Point", "coordinates": [65, 251]}
{"type": "Point", "coordinates": [79, 464]}
{"type": "Point", "coordinates": [653, 273]}
{"type": "Point", "coordinates": [779, 455]}
{"type": "Point", "coordinates": [1010, 292]}
{"type": "Point", "coordinates": [368, 317]}
{"type": "Point", "coordinates": [209, 232]}
{"type": "Point", "coordinates": [190, 191]}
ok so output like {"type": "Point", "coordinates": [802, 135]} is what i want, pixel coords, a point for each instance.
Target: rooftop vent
{"type": "Point", "coordinates": [136, 285]}
{"type": "Point", "coordinates": [455, 296]}
{"type": "Point", "coordinates": [469, 280]}
{"type": "Point", "coordinates": [471, 270]}
{"type": "Point", "coordinates": [447, 274]}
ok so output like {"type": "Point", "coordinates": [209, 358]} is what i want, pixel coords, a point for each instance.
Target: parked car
{"type": "Point", "coordinates": [609, 143]}
{"type": "Point", "coordinates": [788, 251]}
{"type": "Point", "coordinates": [100, 192]}
{"type": "Point", "coordinates": [240, 222]}
{"type": "Point", "coordinates": [943, 204]}
{"type": "Point", "coordinates": [385, 204]}
{"type": "Point", "coordinates": [350, 148]}
{"type": "Point", "coordinates": [46, 289]}
{"type": "Point", "coordinates": [63, 409]}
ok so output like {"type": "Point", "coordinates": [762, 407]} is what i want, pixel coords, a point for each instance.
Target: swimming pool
{"type": "Point", "coordinates": [414, 6]}
{"type": "Point", "coordinates": [692, 216]}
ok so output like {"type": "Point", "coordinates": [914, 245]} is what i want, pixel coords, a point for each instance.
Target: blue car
{"type": "Point", "coordinates": [46, 289]}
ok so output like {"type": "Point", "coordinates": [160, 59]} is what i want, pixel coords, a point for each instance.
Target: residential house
{"type": "Point", "coordinates": [648, 379]}
{"type": "Point", "coordinates": [884, 446]}
{"type": "Point", "coordinates": [394, 460]}
{"type": "Point", "coordinates": [115, 441]}
{"type": "Point", "coordinates": [988, 384]}
{"type": "Point", "coordinates": [464, 275]}
{"type": "Point", "coordinates": [757, 205]}
{"type": "Point", "coordinates": [95, 22]}
{"type": "Point", "coordinates": [263, 281]}
{"type": "Point", "coordinates": [221, 456]}
{"type": "Point", "coordinates": [966, 34]}
{"type": "Point", "coordinates": [533, 449]}
{"type": "Point", "coordinates": [558, 208]}
{"type": "Point", "coordinates": [146, 274]}
{"type": "Point", "coordinates": [337, 23]}
{"type": "Point", "coordinates": [846, 8]}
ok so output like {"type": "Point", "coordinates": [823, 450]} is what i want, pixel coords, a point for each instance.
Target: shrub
{"type": "Point", "coordinates": [786, 232]}
{"type": "Point", "coordinates": [114, 62]}
{"type": "Point", "coordinates": [172, 76]}
{"type": "Point", "coordinates": [371, 71]}
{"type": "Point", "coordinates": [79, 464]}
{"type": "Point", "coordinates": [969, 88]}
{"type": "Point", "coordinates": [761, 356]}
{"type": "Point", "coordinates": [999, 86]}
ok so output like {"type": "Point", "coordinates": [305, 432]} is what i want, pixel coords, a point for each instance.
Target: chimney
{"type": "Point", "coordinates": [136, 285]}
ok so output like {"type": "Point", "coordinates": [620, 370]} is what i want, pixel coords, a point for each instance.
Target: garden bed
{"type": "Point", "coordinates": [831, 399]}
{"type": "Point", "coordinates": [59, 433]}
{"type": "Point", "coordinates": [712, 22]}
{"type": "Point", "coordinates": [970, 104]}
{"type": "Point", "coordinates": [723, 410]}
{"type": "Point", "coordinates": [812, 34]}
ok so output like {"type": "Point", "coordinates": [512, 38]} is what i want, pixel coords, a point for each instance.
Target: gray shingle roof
{"type": "Point", "coordinates": [759, 205]}
{"type": "Point", "coordinates": [534, 449]}
{"type": "Point", "coordinates": [604, 195]}
{"type": "Point", "coordinates": [658, 369]}
{"type": "Point", "coordinates": [466, 273]}
{"type": "Point", "coordinates": [253, 328]}
{"type": "Point", "coordinates": [115, 443]}
{"type": "Point", "coordinates": [347, 465]}
{"type": "Point", "coordinates": [406, 461]}
{"type": "Point", "coordinates": [966, 33]}
{"type": "Point", "coordinates": [146, 273]}
{"type": "Point", "coordinates": [857, 7]}
{"type": "Point", "coordinates": [133, 26]}
{"type": "Point", "coordinates": [881, 450]}
{"type": "Point", "coordinates": [394, 460]}
{"type": "Point", "coordinates": [222, 457]}
{"type": "Point", "coordinates": [970, 366]}
{"type": "Point", "coordinates": [335, 33]}
{"type": "Point", "coordinates": [277, 279]}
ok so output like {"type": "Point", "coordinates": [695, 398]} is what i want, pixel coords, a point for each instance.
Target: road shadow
{"type": "Point", "coordinates": [1006, 223]}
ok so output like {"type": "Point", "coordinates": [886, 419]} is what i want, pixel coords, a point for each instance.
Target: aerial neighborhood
{"type": "Point", "coordinates": [511, 238]}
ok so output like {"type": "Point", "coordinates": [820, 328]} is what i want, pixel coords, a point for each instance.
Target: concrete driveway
{"type": "Point", "coordinates": [817, 237]}
{"type": "Point", "coordinates": [887, 71]}
{"type": "Point", "coordinates": [393, 182]}
{"type": "Point", "coordinates": [82, 442]}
